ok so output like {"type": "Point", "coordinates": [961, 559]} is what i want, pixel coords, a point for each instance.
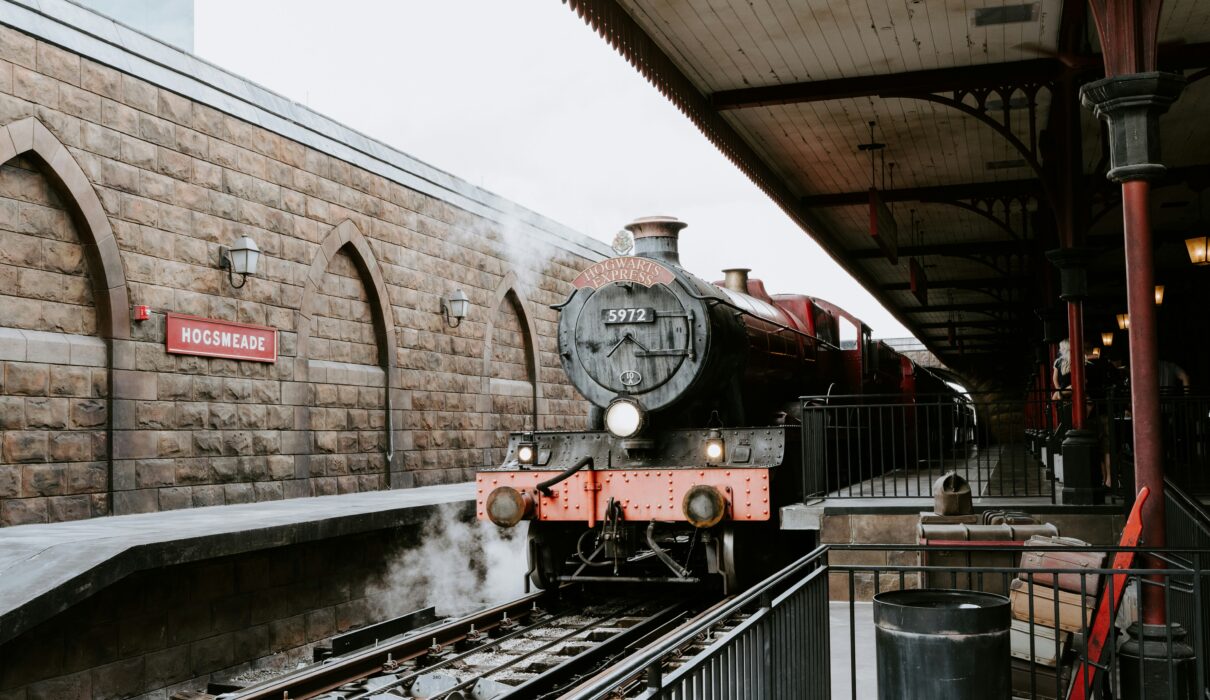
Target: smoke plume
{"type": "Point", "coordinates": [458, 566]}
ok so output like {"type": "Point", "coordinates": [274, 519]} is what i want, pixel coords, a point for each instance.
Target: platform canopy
{"type": "Point", "coordinates": [987, 162]}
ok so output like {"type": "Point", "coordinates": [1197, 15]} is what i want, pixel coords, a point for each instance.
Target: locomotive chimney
{"type": "Point", "coordinates": [736, 279]}
{"type": "Point", "coordinates": [656, 237]}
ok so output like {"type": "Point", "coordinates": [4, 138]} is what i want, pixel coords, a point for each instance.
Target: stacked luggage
{"type": "Point", "coordinates": [1047, 610]}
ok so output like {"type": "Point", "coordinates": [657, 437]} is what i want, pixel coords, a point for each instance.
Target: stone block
{"type": "Point", "coordinates": [175, 387]}
{"type": "Point", "coordinates": [26, 379]}
{"type": "Point", "coordinates": [211, 654]}
{"type": "Point", "coordinates": [85, 478]}
{"type": "Point", "coordinates": [88, 413]}
{"type": "Point", "coordinates": [25, 446]}
{"type": "Point", "coordinates": [167, 666]}
{"type": "Point", "coordinates": [176, 498]}
{"type": "Point", "coordinates": [268, 491]}
{"type": "Point", "coordinates": [41, 346]}
{"type": "Point", "coordinates": [70, 447]}
{"type": "Point", "coordinates": [66, 508]}
{"type": "Point", "coordinates": [12, 413]}
{"type": "Point", "coordinates": [140, 501]}
{"type": "Point", "coordinates": [207, 443]}
{"type": "Point", "coordinates": [287, 633]}
{"type": "Point", "coordinates": [74, 686]}
{"type": "Point", "coordinates": [320, 624]}
{"type": "Point", "coordinates": [12, 342]}
{"type": "Point", "coordinates": [222, 416]}
{"type": "Point", "coordinates": [135, 444]}
{"type": "Point", "coordinates": [23, 511]}
{"type": "Point", "coordinates": [208, 495]}
{"type": "Point", "coordinates": [239, 493]}
{"type": "Point", "coordinates": [154, 415]}
{"type": "Point", "coordinates": [135, 385]}
{"type": "Point", "coordinates": [151, 473]}
{"type": "Point", "coordinates": [44, 413]}
{"type": "Point", "coordinates": [120, 679]}
{"type": "Point", "coordinates": [10, 481]}
{"type": "Point", "coordinates": [884, 529]}
{"type": "Point", "coordinates": [70, 381]}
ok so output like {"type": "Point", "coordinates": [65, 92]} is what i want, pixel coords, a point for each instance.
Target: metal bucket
{"type": "Point", "coordinates": [942, 645]}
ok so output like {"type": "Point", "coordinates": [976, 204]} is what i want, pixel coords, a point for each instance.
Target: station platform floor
{"type": "Point", "coordinates": [44, 569]}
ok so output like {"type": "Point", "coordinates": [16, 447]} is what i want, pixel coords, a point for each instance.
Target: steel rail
{"type": "Point", "coordinates": [579, 632]}
{"type": "Point", "coordinates": [406, 677]}
{"type": "Point", "coordinates": [358, 665]}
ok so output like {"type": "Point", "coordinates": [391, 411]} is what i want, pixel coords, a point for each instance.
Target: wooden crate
{"type": "Point", "coordinates": [1047, 651]}
{"type": "Point", "coordinates": [1074, 614]}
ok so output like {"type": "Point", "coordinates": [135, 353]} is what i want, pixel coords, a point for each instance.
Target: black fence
{"type": "Point", "coordinates": [1050, 624]}
{"type": "Point", "coordinates": [1184, 429]}
{"type": "Point", "coordinates": [769, 642]}
{"type": "Point", "coordinates": [888, 447]}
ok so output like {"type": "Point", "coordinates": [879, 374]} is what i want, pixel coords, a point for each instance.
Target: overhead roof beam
{"type": "Point", "coordinates": [979, 323]}
{"type": "Point", "coordinates": [974, 307]}
{"type": "Point", "coordinates": [988, 75]}
{"type": "Point", "coordinates": [936, 193]}
{"type": "Point", "coordinates": [922, 81]}
{"type": "Point", "coordinates": [954, 249]}
{"type": "Point", "coordinates": [972, 283]}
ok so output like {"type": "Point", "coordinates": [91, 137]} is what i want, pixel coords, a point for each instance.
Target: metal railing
{"type": "Point", "coordinates": [769, 642]}
{"type": "Point", "coordinates": [1046, 616]}
{"type": "Point", "coordinates": [883, 446]}
{"type": "Point", "coordinates": [1184, 429]}
{"type": "Point", "coordinates": [1188, 527]}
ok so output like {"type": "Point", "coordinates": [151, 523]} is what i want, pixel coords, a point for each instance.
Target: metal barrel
{"type": "Point", "coordinates": [942, 645]}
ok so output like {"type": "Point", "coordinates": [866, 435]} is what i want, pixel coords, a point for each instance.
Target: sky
{"type": "Point", "coordinates": [523, 99]}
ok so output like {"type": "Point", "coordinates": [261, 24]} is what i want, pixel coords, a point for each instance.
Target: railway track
{"type": "Point", "coordinates": [531, 647]}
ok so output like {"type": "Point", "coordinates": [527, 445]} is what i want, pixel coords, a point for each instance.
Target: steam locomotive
{"type": "Point", "coordinates": [694, 431]}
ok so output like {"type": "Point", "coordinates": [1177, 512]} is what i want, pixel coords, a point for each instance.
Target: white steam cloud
{"type": "Point", "coordinates": [457, 567]}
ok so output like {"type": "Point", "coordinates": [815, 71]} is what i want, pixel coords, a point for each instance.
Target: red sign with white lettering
{"type": "Point", "coordinates": [190, 335]}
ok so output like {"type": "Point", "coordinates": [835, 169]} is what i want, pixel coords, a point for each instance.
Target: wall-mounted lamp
{"type": "Point", "coordinates": [1196, 247]}
{"type": "Point", "coordinates": [1123, 321]}
{"type": "Point", "coordinates": [1095, 354]}
{"type": "Point", "coordinates": [1159, 294]}
{"type": "Point", "coordinates": [1107, 339]}
{"type": "Point", "coordinates": [454, 308]}
{"type": "Point", "coordinates": [240, 259]}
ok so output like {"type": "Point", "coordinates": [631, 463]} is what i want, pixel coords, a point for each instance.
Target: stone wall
{"type": "Point", "coordinates": [115, 192]}
{"type": "Point", "coordinates": [159, 631]}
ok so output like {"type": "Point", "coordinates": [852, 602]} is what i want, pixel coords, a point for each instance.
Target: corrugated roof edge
{"type": "Point", "coordinates": [101, 39]}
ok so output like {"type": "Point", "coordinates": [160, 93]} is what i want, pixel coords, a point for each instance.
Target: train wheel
{"type": "Point", "coordinates": [549, 547]}
{"type": "Point", "coordinates": [751, 552]}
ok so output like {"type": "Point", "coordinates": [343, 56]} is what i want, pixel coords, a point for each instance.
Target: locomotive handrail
{"type": "Point", "coordinates": [544, 486]}
{"type": "Point", "coordinates": [725, 302]}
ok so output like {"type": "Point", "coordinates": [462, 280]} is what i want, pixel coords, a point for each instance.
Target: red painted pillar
{"type": "Point", "coordinates": [1144, 380]}
{"type": "Point", "coordinates": [1131, 104]}
{"type": "Point", "coordinates": [1075, 338]}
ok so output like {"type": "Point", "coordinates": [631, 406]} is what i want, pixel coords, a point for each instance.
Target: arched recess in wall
{"type": "Point", "coordinates": [29, 137]}
{"type": "Point", "coordinates": [511, 383]}
{"type": "Point", "coordinates": [332, 381]}
{"type": "Point", "coordinates": [69, 470]}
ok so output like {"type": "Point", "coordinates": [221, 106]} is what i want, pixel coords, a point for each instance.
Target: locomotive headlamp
{"type": "Point", "coordinates": [527, 452]}
{"type": "Point", "coordinates": [625, 418]}
{"type": "Point", "coordinates": [715, 447]}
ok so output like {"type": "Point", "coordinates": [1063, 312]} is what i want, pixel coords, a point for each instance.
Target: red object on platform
{"type": "Point", "coordinates": [142, 312]}
{"type": "Point", "coordinates": [1111, 599]}
{"type": "Point", "coordinates": [190, 335]}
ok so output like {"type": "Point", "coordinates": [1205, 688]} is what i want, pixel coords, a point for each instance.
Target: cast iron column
{"type": "Point", "coordinates": [1131, 104]}
{"type": "Point", "coordinates": [1079, 445]}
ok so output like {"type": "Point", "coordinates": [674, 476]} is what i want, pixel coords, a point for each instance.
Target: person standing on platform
{"type": "Point", "coordinates": [1172, 379]}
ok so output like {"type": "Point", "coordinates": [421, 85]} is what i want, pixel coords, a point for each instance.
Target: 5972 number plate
{"type": "Point", "coordinates": [639, 315]}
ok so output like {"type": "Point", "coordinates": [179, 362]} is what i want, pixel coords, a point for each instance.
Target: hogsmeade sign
{"type": "Point", "coordinates": [629, 269]}
{"type": "Point", "coordinates": [190, 335]}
